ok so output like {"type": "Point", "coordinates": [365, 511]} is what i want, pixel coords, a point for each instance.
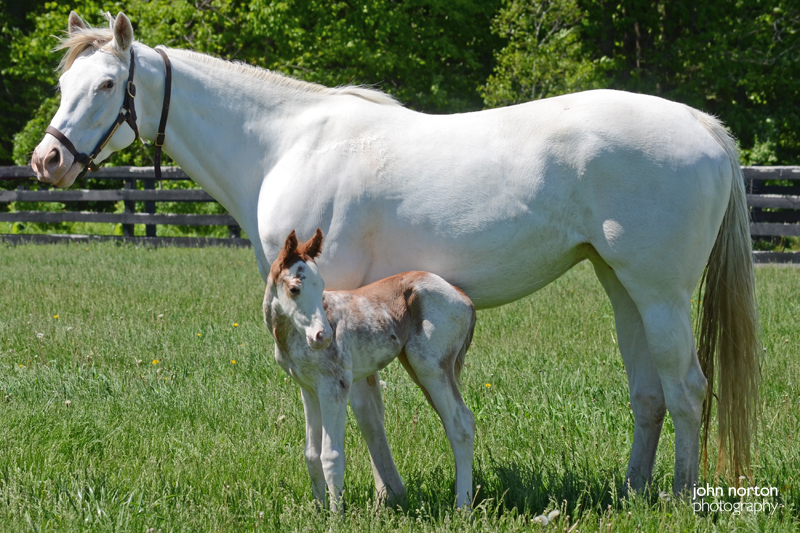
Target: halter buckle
{"type": "Point", "coordinates": [131, 89]}
{"type": "Point", "coordinates": [160, 138]}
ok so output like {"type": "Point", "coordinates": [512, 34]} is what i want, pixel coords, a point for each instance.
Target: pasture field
{"type": "Point", "coordinates": [138, 393]}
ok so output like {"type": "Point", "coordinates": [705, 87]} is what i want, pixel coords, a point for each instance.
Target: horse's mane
{"type": "Point", "coordinates": [103, 39]}
{"type": "Point", "coordinates": [82, 39]}
{"type": "Point", "coordinates": [282, 80]}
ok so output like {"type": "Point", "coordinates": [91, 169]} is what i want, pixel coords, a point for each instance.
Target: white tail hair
{"type": "Point", "coordinates": [728, 326]}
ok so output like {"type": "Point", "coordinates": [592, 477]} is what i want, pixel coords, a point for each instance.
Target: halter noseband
{"type": "Point", "coordinates": [127, 113]}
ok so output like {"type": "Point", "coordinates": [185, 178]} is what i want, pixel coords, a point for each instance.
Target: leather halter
{"type": "Point", "coordinates": [127, 113]}
{"type": "Point", "coordinates": [162, 124]}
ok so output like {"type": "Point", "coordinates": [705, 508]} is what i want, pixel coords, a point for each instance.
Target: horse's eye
{"type": "Point", "coordinates": [107, 85]}
{"type": "Point", "coordinates": [294, 290]}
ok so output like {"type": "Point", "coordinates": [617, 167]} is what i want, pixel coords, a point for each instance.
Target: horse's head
{"type": "Point", "coordinates": [294, 290]}
{"type": "Point", "coordinates": [93, 87]}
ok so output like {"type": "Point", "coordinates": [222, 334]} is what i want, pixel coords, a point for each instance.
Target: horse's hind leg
{"type": "Point", "coordinates": [367, 405]}
{"type": "Point", "coordinates": [644, 384]}
{"type": "Point", "coordinates": [436, 377]}
{"type": "Point", "coordinates": [665, 315]}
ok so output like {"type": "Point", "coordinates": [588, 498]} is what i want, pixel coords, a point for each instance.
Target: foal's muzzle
{"type": "Point", "coordinates": [319, 337]}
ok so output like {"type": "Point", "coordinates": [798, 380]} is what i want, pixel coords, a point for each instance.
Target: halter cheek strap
{"type": "Point", "coordinates": [162, 124]}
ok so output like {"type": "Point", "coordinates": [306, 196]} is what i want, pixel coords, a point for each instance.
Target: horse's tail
{"type": "Point", "coordinates": [728, 326]}
{"type": "Point", "coordinates": [462, 354]}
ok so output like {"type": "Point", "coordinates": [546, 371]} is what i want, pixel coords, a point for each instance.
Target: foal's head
{"type": "Point", "coordinates": [294, 290]}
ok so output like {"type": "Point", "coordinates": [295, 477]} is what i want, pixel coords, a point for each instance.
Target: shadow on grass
{"type": "Point", "coordinates": [526, 489]}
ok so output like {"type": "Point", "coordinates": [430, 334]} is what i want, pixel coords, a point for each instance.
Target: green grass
{"type": "Point", "coordinates": [100, 228]}
{"type": "Point", "coordinates": [127, 411]}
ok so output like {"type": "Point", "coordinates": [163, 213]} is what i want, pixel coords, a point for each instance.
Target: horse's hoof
{"type": "Point", "coordinates": [392, 499]}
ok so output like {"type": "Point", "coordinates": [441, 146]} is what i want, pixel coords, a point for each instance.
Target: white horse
{"type": "Point", "coordinates": [327, 339]}
{"type": "Point", "coordinates": [498, 202]}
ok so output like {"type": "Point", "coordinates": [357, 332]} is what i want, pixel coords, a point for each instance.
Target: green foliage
{"type": "Point", "coordinates": [27, 139]}
{"type": "Point", "coordinates": [120, 417]}
{"type": "Point", "coordinates": [544, 55]}
{"type": "Point", "coordinates": [21, 90]}
{"type": "Point", "coordinates": [431, 54]}
{"type": "Point", "coordinates": [737, 60]}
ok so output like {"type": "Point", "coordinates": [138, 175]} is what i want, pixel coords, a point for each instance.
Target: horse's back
{"type": "Point", "coordinates": [519, 193]}
{"type": "Point", "coordinates": [633, 177]}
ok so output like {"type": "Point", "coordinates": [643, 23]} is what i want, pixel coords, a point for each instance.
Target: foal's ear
{"type": "Point", "coordinates": [75, 23]}
{"type": "Point", "coordinates": [289, 248]}
{"type": "Point", "coordinates": [313, 247]}
{"type": "Point", "coordinates": [123, 33]}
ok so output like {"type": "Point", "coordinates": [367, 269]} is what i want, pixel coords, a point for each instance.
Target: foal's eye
{"type": "Point", "coordinates": [107, 85]}
{"type": "Point", "coordinates": [294, 290]}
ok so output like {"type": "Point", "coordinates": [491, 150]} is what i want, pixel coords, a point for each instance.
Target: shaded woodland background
{"type": "Point", "coordinates": [739, 60]}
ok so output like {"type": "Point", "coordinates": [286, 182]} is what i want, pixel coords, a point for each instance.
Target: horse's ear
{"type": "Point", "coordinates": [289, 249]}
{"type": "Point", "coordinates": [123, 33]}
{"type": "Point", "coordinates": [313, 247]}
{"type": "Point", "coordinates": [75, 23]}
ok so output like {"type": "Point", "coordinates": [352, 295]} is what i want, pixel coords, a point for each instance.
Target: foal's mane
{"type": "Point", "coordinates": [103, 39]}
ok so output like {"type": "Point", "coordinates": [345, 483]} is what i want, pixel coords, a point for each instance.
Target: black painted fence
{"type": "Point", "coordinates": [773, 194]}
{"type": "Point", "coordinates": [129, 194]}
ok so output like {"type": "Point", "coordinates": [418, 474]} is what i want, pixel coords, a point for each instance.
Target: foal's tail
{"type": "Point", "coordinates": [728, 326]}
{"type": "Point", "coordinates": [459, 364]}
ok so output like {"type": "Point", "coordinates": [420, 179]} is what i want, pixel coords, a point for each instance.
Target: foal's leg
{"type": "Point", "coordinates": [644, 384]}
{"type": "Point", "coordinates": [333, 408]}
{"type": "Point", "coordinates": [367, 405]}
{"type": "Point", "coordinates": [314, 444]}
{"type": "Point", "coordinates": [435, 376]}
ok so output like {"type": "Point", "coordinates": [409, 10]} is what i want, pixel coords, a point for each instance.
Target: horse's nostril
{"type": "Point", "coordinates": [53, 159]}
{"type": "Point", "coordinates": [320, 336]}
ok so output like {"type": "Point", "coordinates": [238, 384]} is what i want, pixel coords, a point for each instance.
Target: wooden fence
{"type": "Point", "coordinates": [150, 193]}
{"type": "Point", "coordinates": [774, 206]}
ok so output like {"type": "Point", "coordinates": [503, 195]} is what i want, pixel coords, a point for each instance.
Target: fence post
{"type": "Point", "coordinates": [130, 207]}
{"type": "Point", "coordinates": [149, 207]}
{"type": "Point", "coordinates": [20, 226]}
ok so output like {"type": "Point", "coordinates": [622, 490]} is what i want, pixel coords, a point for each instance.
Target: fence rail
{"type": "Point", "coordinates": [129, 194]}
{"type": "Point", "coordinates": [785, 197]}
{"type": "Point", "coordinates": [773, 195]}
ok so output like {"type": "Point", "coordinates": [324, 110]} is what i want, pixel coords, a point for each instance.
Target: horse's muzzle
{"type": "Point", "coordinates": [53, 164]}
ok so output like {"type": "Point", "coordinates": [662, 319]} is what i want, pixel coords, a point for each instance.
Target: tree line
{"type": "Point", "coordinates": [739, 59]}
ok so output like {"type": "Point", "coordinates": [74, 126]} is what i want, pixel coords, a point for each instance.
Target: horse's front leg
{"type": "Point", "coordinates": [367, 405]}
{"type": "Point", "coordinates": [313, 450]}
{"type": "Point", "coordinates": [333, 408]}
